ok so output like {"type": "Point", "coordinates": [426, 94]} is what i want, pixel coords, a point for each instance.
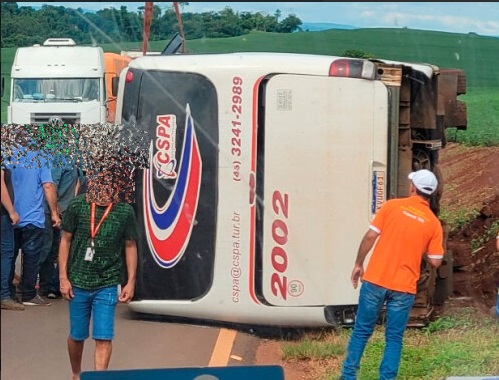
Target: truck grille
{"type": "Point", "coordinates": [44, 118]}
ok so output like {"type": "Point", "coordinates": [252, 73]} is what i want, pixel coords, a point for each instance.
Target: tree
{"type": "Point", "coordinates": [277, 15]}
{"type": "Point", "coordinates": [290, 24]}
{"type": "Point", "coordinates": [229, 24]}
{"type": "Point", "coordinates": [23, 26]}
{"type": "Point", "coordinates": [352, 53]}
{"type": "Point", "coordinates": [9, 8]}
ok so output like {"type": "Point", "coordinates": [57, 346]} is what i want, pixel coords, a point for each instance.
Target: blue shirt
{"type": "Point", "coordinates": [65, 175]}
{"type": "Point", "coordinates": [29, 171]}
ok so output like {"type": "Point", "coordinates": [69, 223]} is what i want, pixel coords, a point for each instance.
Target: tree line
{"type": "Point", "coordinates": [25, 26]}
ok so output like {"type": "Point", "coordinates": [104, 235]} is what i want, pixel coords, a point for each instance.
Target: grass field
{"type": "Point", "coordinates": [476, 55]}
{"type": "Point", "coordinates": [483, 118]}
{"type": "Point", "coordinates": [462, 345]}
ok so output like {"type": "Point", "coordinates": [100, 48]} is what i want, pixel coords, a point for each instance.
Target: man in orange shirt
{"type": "Point", "coordinates": [404, 230]}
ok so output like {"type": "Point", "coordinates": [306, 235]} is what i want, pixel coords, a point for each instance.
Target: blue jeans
{"type": "Point", "coordinates": [49, 276]}
{"type": "Point", "coordinates": [398, 309]}
{"type": "Point", "coordinates": [7, 255]}
{"type": "Point", "coordinates": [30, 239]}
{"type": "Point", "coordinates": [98, 303]}
{"type": "Point", "coordinates": [497, 303]}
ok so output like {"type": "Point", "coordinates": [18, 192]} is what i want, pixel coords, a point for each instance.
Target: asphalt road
{"type": "Point", "coordinates": [33, 344]}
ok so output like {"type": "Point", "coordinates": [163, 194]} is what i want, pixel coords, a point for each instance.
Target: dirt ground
{"type": "Point", "coordinates": [471, 184]}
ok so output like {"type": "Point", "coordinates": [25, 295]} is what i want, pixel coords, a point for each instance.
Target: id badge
{"type": "Point", "coordinates": [89, 254]}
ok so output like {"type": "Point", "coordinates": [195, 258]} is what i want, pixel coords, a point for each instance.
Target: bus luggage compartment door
{"type": "Point", "coordinates": [325, 138]}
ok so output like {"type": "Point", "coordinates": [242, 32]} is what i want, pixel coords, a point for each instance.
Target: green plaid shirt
{"type": "Point", "coordinates": [106, 267]}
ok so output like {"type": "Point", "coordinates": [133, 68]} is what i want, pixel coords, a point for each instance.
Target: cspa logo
{"type": "Point", "coordinates": [164, 159]}
{"type": "Point", "coordinates": [168, 227]}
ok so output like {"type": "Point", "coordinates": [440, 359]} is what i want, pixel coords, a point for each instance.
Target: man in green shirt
{"type": "Point", "coordinates": [95, 232]}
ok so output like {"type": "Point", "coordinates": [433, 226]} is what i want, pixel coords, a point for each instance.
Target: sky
{"type": "Point", "coordinates": [455, 17]}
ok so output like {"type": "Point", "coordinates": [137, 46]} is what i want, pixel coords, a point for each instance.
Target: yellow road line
{"type": "Point", "coordinates": [223, 347]}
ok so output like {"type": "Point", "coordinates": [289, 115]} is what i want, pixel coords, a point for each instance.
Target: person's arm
{"type": "Point", "coordinates": [51, 198]}
{"type": "Point", "coordinates": [435, 251]}
{"type": "Point", "coordinates": [434, 262]}
{"type": "Point", "coordinates": [77, 187]}
{"type": "Point", "coordinates": [131, 264]}
{"type": "Point", "coordinates": [65, 286]}
{"type": "Point", "coordinates": [7, 202]}
{"type": "Point", "coordinates": [365, 246]}
{"type": "Point", "coordinates": [79, 176]}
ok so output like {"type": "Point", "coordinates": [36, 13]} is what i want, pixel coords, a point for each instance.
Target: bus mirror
{"type": "Point", "coordinates": [114, 85]}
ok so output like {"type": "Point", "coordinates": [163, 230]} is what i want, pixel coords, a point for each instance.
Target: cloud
{"type": "Point", "coordinates": [431, 21]}
{"type": "Point", "coordinates": [464, 24]}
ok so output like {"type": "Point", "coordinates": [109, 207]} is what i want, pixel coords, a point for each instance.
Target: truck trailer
{"type": "Point", "coordinates": [265, 170]}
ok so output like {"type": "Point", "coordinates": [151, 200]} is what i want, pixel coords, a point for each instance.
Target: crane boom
{"type": "Point", "coordinates": [180, 24]}
{"type": "Point", "coordinates": [147, 26]}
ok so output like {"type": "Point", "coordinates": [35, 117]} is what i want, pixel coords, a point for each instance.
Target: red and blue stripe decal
{"type": "Point", "coordinates": [168, 227]}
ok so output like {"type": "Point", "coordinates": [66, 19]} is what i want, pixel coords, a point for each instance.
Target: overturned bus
{"type": "Point", "coordinates": [265, 170]}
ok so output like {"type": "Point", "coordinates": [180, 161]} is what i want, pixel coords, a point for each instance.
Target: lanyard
{"type": "Point", "coordinates": [93, 229]}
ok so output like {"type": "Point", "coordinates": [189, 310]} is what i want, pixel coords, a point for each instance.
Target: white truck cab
{"type": "Point", "coordinates": [265, 170]}
{"type": "Point", "coordinates": [57, 80]}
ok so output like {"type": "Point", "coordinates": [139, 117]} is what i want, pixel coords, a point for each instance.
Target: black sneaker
{"type": "Point", "coordinates": [54, 295]}
{"type": "Point", "coordinates": [37, 301]}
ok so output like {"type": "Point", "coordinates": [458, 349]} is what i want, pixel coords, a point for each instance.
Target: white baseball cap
{"type": "Point", "coordinates": [424, 180]}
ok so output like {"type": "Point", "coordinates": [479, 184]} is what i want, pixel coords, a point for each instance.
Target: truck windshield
{"type": "Point", "coordinates": [56, 90]}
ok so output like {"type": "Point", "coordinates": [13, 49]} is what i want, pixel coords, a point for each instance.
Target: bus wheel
{"type": "Point", "coordinates": [421, 160]}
